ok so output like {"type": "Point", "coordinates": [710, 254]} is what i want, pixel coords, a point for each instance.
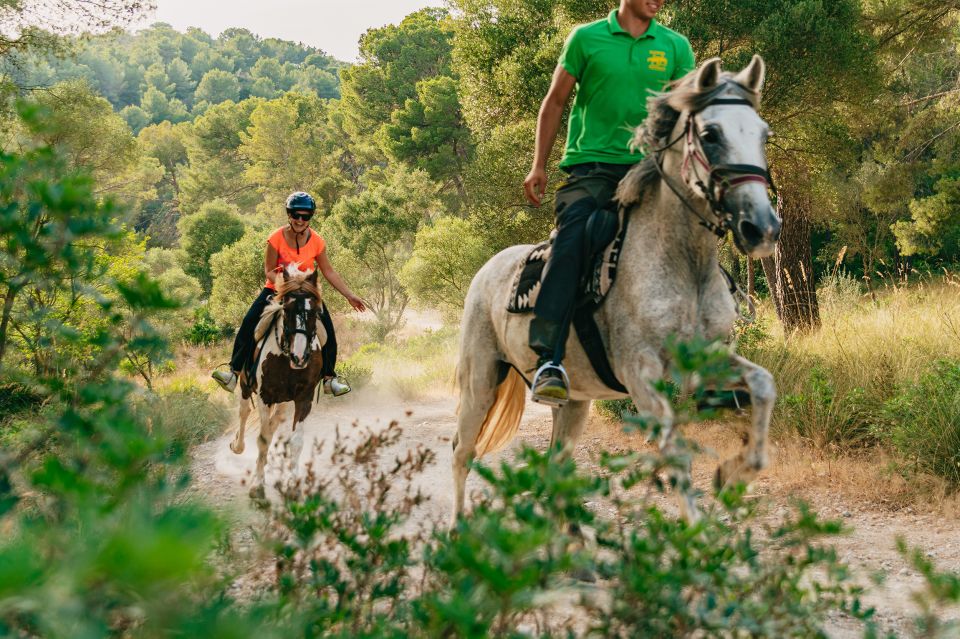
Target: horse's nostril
{"type": "Point", "coordinates": [750, 233]}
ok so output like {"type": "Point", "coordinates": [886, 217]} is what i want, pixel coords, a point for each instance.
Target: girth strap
{"type": "Point", "coordinates": [592, 342]}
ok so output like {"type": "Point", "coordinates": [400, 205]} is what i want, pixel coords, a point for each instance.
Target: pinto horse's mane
{"type": "Point", "coordinates": [295, 281]}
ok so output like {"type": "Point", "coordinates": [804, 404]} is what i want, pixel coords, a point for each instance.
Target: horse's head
{"type": "Point", "coordinates": [716, 142]}
{"type": "Point", "coordinates": [300, 297]}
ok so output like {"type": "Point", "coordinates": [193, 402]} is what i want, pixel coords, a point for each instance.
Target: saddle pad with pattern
{"type": "Point", "coordinates": [601, 273]}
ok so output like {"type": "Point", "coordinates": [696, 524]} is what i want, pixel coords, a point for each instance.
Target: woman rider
{"type": "Point", "coordinates": [295, 242]}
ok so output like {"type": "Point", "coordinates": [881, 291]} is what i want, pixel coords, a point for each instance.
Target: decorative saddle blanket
{"type": "Point", "coordinates": [601, 273]}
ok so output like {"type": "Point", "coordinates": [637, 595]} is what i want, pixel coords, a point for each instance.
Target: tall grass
{"type": "Point", "coordinates": [881, 370]}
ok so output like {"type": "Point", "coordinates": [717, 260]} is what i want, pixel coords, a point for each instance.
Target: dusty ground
{"type": "Point", "coordinates": [870, 501]}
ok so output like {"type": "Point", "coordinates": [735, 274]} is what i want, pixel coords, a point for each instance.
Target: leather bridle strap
{"type": "Point", "coordinates": [721, 178]}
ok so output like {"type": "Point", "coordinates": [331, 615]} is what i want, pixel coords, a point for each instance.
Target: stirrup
{"type": "Point", "coordinates": [550, 401]}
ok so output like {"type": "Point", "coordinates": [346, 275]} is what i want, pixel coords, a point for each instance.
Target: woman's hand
{"type": "Point", "coordinates": [356, 302]}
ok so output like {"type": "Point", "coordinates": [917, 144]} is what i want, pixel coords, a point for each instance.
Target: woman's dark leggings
{"type": "Point", "coordinates": [243, 343]}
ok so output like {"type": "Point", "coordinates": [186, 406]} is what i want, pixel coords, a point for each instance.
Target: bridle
{"type": "Point", "coordinates": [721, 178]}
{"type": "Point", "coordinates": [286, 336]}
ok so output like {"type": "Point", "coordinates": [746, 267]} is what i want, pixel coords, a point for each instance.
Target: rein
{"type": "Point", "coordinates": [721, 178]}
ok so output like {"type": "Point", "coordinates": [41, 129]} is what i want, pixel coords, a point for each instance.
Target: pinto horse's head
{"type": "Point", "coordinates": [300, 297]}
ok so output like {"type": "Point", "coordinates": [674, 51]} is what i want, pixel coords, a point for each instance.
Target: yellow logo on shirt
{"type": "Point", "coordinates": [657, 60]}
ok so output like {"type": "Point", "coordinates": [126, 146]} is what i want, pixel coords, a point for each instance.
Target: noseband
{"type": "Point", "coordinates": [721, 178]}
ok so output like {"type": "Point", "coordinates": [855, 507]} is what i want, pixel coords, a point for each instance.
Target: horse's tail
{"type": "Point", "coordinates": [503, 419]}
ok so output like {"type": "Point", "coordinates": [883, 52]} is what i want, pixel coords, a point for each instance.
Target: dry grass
{"type": "Point", "coordinates": [868, 342]}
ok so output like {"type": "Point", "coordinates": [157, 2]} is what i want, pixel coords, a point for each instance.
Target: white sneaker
{"type": "Point", "coordinates": [335, 387]}
{"type": "Point", "coordinates": [226, 379]}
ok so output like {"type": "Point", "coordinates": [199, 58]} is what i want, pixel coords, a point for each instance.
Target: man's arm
{"type": "Point", "coordinates": [548, 123]}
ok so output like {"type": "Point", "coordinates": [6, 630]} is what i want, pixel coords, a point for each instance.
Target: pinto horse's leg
{"type": "Point", "coordinates": [568, 423]}
{"type": "Point", "coordinates": [753, 458]}
{"type": "Point", "coordinates": [246, 407]}
{"type": "Point", "coordinates": [267, 425]}
{"type": "Point", "coordinates": [300, 412]}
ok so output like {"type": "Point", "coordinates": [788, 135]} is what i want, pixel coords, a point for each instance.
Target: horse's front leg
{"type": "Point", "coordinates": [246, 407]}
{"type": "Point", "coordinates": [753, 458]}
{"type": "Point", "coordinates": [655, 407]}
{"type": "Point", "coordinates": [267, 426]}
{"type": "Point", "coordinates": [568, 423]}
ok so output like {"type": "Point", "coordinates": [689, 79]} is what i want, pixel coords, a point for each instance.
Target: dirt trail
{"type": "Point", "coordinates": [220, 477]}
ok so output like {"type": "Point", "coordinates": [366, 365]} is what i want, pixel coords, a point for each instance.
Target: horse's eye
{"type": "Point", "coordinates": [710, 135]}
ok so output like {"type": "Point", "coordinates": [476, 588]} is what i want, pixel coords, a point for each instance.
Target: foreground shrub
{"type": "Point", "coordinates": [924, 422]}
{"type": "Point", "coordinates": [355, 557]}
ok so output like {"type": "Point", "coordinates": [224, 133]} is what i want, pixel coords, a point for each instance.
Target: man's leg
{"type": "Point", "coordinates": [587, 190]}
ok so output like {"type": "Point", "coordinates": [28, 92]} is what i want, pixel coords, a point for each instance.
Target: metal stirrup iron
{"type": "Point", "coordinates": [551, 401]}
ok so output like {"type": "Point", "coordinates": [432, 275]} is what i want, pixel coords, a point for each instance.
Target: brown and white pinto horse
{"type": "Point", "coordinates": [288, 366]}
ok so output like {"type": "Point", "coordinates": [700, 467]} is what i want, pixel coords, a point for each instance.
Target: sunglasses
{"type": "Point", "coordinates": [297, 215]}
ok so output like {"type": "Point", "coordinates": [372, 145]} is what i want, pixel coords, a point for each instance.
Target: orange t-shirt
{"type": "Point", "coordinates": [306, 256]}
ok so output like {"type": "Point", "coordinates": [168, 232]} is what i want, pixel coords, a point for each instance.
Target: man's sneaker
{"type": "Point", "coordinates": [335, 387]}
{"type": "Point", "coordinates": [226, 379]}
{"type": "Point", "coordinates": [550, 385]}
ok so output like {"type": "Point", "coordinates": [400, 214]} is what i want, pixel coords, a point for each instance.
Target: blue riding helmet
{"type": "Point", "coordinates": [301, 201]}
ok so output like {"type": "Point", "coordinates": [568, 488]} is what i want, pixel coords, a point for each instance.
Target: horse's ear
{"type": "Point", "coordinates": [752, 77]}
{"type": "Point", "coordinates": [708, 74]}
{"type": "Point", "coordinates": [286, 276]}
{"type": "Point", "coordinates": [312, 278]}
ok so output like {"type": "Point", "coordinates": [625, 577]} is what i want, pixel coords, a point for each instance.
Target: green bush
{"type": "Point", "coordinates": [354, 372]}
{"type": "Point", "coordinates": [354, 558]}
{"type": "Point", "coordinates": [827, 416]}
{"type": "Point", "coordinates": [615, 409]}
{"type": "Point", "coordinates": [204, 330]}
{"type": "Point", "coordinates": [923, 422]}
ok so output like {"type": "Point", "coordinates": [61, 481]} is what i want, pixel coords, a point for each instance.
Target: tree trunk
{"type": "Point", "coordinates": [8, 298]}
{"type": "Point", "coordinates": [751, 278]}
{"type": "Point", "coordinates": [790, 270]}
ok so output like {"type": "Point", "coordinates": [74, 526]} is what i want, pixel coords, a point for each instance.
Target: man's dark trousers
{"type": "Point", "coordinates": [590, 187]}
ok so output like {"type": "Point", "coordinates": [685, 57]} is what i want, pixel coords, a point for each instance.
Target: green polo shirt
{"type": "Point", "coordinates": [616, 73]}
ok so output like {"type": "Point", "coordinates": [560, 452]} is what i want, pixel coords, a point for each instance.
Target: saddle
{"type": "Point", "coordinates": [603, 242]}
{"type": "Point", "coordinates": [604, 237]}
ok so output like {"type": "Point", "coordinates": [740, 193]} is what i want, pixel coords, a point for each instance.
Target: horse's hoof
{"type": "Point", "coordinates": [237, 446]}
{"type": "Point", "coordinates": [731, 472]}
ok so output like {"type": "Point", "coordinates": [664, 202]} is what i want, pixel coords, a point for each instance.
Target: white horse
{"type": "Point", "coordinates": [289, 367]}
{"type": "Point", "coordinates": [706, 173]}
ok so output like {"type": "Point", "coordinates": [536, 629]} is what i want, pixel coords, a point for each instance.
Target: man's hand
{"type": "Point", "coordinates": [535, 185]}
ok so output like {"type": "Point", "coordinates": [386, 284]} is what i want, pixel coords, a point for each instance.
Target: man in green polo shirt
{"type": "Point", "coordinates": [615, 63]}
